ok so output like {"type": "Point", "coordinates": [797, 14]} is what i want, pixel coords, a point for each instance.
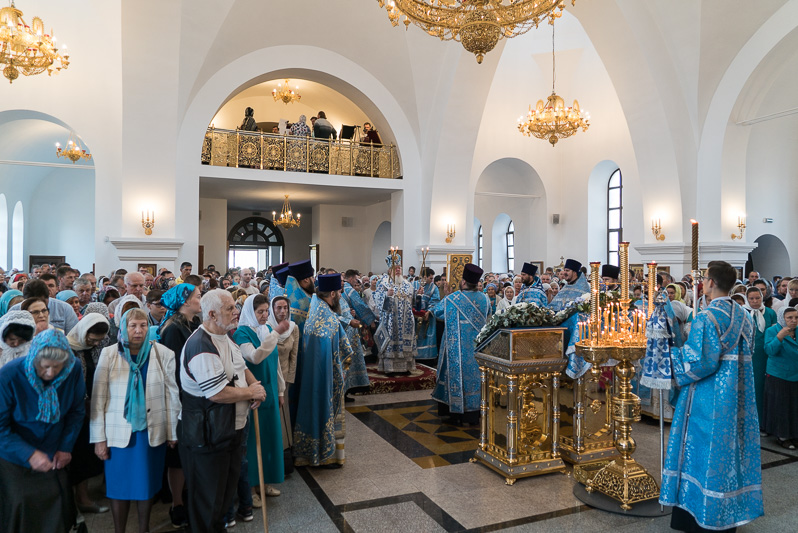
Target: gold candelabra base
{"type": "Point", "coordinates": [626, 481]}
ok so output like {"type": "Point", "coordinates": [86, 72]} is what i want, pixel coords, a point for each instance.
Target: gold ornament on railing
{"type": "Point", "coordinates": [74, 150]}
{"type": "Point", "coordinates": [27, 49]}
{"type": "Point", "coordinates": [552, 120]}
{"type": "Point", "coordinates": [286, 94]}
{"type": "Point", "coordinates": [286, 218]}
{"type": "Point", "coordinates": [476, 24]}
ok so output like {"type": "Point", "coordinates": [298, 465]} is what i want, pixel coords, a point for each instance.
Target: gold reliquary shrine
{"type": "Point", "coordinates": [520, 372]}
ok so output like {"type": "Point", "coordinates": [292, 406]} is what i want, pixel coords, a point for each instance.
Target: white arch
{"type": "Point", "coordinates": [713, 136]}
{"type": "Point", "coordinates": [18, 237]}
{"type": "Point", "coordinates": [289, 58]}
{"type": "Point", "coordinates": [770, 258]}
{"type": "Point", "coordinates": [3, 231]}
{"type": "Point", "coordinates": [379, 247]}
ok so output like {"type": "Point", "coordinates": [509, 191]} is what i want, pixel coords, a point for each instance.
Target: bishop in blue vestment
{"type": "Point", "coordinates": [712, 472]}
{"type": "Point", "coordinates": [464, 313]}
{"type": "Point", "coordinates": [427, 297]}
{"type": "Point", "coordinates": [396, 336]}
{"type": "Point", "coordinates": [319, 430]}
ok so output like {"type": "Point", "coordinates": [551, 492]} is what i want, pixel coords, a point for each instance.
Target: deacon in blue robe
{"type": "Point", "coordinates": [299, 287]}
{"type": "Point", "coordinates": [356, 375]}
{"type": "Point", "coordinates": [362, 311]}
{"type": "Point", "coordinates": [319, 430]}
{"type": "Point", "coordinates": [464, 313]}
{"type": "Point", "coordinates": [532, 289]}
{"type": "Point", "coordinates": [396, 336]}
{"type": "Point", "coordinates": [577, 286]}
{"type": "Point", "coordinates": [712, 471]}
{"type": "Point", "coordinates": [279, 279]}
{"type": "Point", "coordinates": [427, 297]}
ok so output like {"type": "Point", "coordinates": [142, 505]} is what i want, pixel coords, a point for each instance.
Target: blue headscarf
{"type": "Point", "coordinates": [66, 295]}
{"type": "Point", "coordinates": [6, 299]}
{"type": "Point", "coordinates": [174, 298]}
{"type": "Point", "coordinates": [135, 403]}
{"type": "Point", "coordinates": [49, 408]}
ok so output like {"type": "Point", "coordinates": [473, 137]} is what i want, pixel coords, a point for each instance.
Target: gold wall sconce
{"type": "Point", "coordinates": [148, 223]}
{"type": "Point", "coordinates": [741, 227]}
{"type": "Point", "coordinates": [656, 229]}
{"type": "Point", "coordinates": [450, 232]}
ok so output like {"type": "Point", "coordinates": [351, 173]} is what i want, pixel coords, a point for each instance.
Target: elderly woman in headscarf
{"type": "Point", "coordinates": [258, 343]}
{"type": "Point", "coordinates": [781, 381]}
{"type": "Point", "coordinates": [507, 300]}
{"type": "Point", "coordinates": [134, 407]}
{"type": "Point", "coordinates": [41, 410]}
{"type": "Point", "coordinates": [87, 340]}
{"type": "Point", "coordinates": [72, 298]}
{"type": "Point", "coordinates": [764, 318]}
{"type": "Point", "coordinates": [9, 300]}
{"type": "Point", "coordinates": [16, 333]}
{"type": "Point", "coordinates": [287, 349]}
{"type": "Point", "coordinates": [490, 290]}
{"type": "Point", "coordinates": [299, 128]}
{"type": "Point", "coordinates": [680, 309]}
{"type": "Point", "coordinates": [182, 304]}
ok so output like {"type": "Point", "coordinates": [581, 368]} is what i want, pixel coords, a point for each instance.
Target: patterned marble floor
{"type": "Point", "coordinates": [403, 481]}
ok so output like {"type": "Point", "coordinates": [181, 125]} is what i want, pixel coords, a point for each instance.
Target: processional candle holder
{"type": "Point", "coordinates": [624, 479]}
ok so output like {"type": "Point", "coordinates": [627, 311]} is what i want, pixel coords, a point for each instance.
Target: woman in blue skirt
{"type": "Point", "coordinates": [134, 411]}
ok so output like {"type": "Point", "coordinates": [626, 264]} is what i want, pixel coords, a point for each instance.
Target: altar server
{"type": "Point", "coordinates": [464, 313]}
{"type": "Point", "coordinates": [712, 473]}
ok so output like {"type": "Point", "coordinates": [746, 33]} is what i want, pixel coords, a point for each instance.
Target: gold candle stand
{"type": "Point", "coordinates": [623, 479]}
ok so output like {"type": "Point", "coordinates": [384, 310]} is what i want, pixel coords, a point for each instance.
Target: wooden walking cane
{"type": "Point", "coordinates": [260, 474]}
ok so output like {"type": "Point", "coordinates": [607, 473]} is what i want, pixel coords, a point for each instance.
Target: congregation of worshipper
{"type": "Point", "coordinates": [398, 266]}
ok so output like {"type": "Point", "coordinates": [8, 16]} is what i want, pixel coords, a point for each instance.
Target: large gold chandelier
{"type": "Point", "coordinates": [27, 49]}
{"type": "Point", "coordinates": [552, 120]}
{"type": "Point", "coordinates": [286, 218]}
{"type": "Point", "coordinates": [285, 93]}
{"type": "Point", "coordinates": [477, 24]}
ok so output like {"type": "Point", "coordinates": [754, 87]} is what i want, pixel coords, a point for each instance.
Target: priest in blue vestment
{"type": "Point", "coordinates": [299, 288]}
{"type": "Point", "coordinates": [279, 279]}
{"type": "Point", "coordinates": [712, 473]}
{"type": "Point", "coordinates": [576, 285]}
{"type": "Point", "coordinates": [356, 375]}
{"type": "Point", "coordinates": [609, 277]}
{"type": "Point", "coordinates": [427, 297]}
{"type": "Point", "coordinates": [532, 289]}
{"type": "Point", "coordinates": [319, 430]}
{"type": "Point", "coordinates": [464, 312]}
{"type": "Point", "coordinates": [362, 311]}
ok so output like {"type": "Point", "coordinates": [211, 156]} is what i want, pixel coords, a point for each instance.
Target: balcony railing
{"type": "Point", "coordinates": [272, 151]}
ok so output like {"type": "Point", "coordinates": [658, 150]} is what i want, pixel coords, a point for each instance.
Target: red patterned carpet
{"type": "Point", "coordinates": [420, 378]}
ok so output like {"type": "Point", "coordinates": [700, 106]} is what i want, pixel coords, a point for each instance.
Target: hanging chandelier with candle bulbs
{"type": "Point", "coordinates": [476, 24]}
{"type": "Point", "coordinates": [552, 120]}
{"type": "Point", "coordinates": [285, 94]}
{"type": "Point", "coordinates": [286, 218]}
{"type": "Point", "coordinates": [27, 49]}
{"type": "Point", "coordinates": [74, 150]}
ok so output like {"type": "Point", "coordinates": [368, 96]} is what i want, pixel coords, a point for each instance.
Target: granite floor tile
{"type": "Point", "coordinates": [406, 517]}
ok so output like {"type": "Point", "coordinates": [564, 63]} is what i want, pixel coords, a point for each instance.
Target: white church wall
{"type": "Point", "coordinates": [59, 220]}
{"type": "Point", "coordinates": [213, 230]}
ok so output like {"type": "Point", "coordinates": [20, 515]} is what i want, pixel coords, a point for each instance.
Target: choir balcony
{"type": "Point", "coordinates": [272, 151]}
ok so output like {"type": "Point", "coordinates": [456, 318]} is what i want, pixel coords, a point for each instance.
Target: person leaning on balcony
{"type": "Point", "coordinates": [249, 123]}
{"type": "Point", "coordinates": [322, 128]}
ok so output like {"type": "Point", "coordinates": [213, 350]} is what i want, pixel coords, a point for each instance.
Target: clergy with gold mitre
{"type": "Point", "coordinates": [464, 312]}
{"type": "Point", "coordinates": [396, 336]}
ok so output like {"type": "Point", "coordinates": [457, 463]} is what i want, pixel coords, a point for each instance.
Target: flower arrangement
{"type": "Point", "coordinates": [526, 315]}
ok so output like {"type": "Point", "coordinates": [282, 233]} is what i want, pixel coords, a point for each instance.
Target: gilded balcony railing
{"type": "Point", "coordinates": [272, 151]}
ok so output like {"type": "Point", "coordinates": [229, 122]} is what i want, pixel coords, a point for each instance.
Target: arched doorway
{"type": "Point", "coordinates": [380, 246]}
{"type": "Point", "coordinates": [770, 258]}
{"type": "Point", "coordinates": [254, 242]}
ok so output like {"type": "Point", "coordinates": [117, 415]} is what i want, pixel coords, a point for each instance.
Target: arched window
{"type": "Point", "coordinates": [3, 232]}
{"type": "Point", "coordinates": [255, 242]}
{"type": "Point", "coordinates": [479, 246]}
{"type": "Point", "coordinates": [510, 240]}
{"type": "Point", "coordinates": [17, 237]}
{"type": "Point", "coordinates": [614, 216]}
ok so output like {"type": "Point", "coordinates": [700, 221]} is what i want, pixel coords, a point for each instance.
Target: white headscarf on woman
{"type": "Point", "coordinates": [22, 318]}
{"type": "Point", "coordinates": [121, 305]}
{"type": "Point", "coordinates": [272, 320]}
{"type": "Point", "coordinates": [77, 336]}
{"type": "Point", "coordinates": [268, 339]}
{"type": "Point", "coordinates": [757, 314]}
{"type": "Point", "coordinates": [782, 312]}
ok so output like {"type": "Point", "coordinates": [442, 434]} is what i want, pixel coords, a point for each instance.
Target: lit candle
{"type": "Point", "coordinates": [694, 263]}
